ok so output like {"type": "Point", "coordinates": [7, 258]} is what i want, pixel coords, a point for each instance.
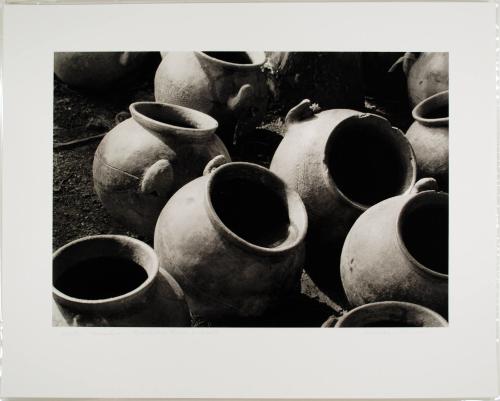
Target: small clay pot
{"type": "Point", "coordinates": [142, 161]}
{"type": "Point", "coordinates": [229, 86]}
{"type": "Point", "coordinates": [114, 280]}
{"type": "Point", "coordinates": [95, 70]}
{"type": "Point", "coordinates": [340, 162]}
{"type": "Point", "coordinates": [428, 136]}
{"type": "Point", "coordinates": [391, 314]}
{"type": "Point", "coordinates": [234, 240]}
{"type": "Point", "coordinates": [398, 251]}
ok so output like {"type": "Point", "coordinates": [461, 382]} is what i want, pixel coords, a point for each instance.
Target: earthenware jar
{"type": "Point", "coordinates": [428, 136]}
{"type": "Point", "coordinates": [229, 86]}
{"type": "Point", "coordinates": [114, 280]}
{"type": "Point", "coordinates": [95, 70]}
{"type": "Point", "coordinates": [142, 161]}
{"type": "Point", "coordinates": [398, 251]}
{"type": "Point", "coordinates": [233, 239]}
{"type": "Point", "coordinates": [391, 314]}
{"type": "Point", "coordinates": [427, 74]}
{"type": "Point", "coordinates": [340, 162]}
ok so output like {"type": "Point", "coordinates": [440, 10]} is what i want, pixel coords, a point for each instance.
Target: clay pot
{"type": "Point", "coordinates": [391, 314]}
{"type": "Point", "coordinates": [234, 240]}
{"type": "Point", "coordinates": [398, 251]}
{"type": "Point", "coordinates": [114, 280]}
{"type": "Point", "coordinates": [95, 70]}
{"type": "Point", "coordinates": [340, 162]}
{"type": "Point", "coordinates": [428, 136]}
{"type": "Point", "coordinates": [230, 86]}
{"type": "Point", "coordinates": [142, 161]}
{"type": "Point", "coordinates": [427, 74]}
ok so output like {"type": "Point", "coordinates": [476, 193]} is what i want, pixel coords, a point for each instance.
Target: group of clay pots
{"type": "Point", "coordinates": [349, 198]}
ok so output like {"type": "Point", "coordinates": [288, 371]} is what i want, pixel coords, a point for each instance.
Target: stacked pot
{"type": "Point", "coordinates": [349, 198]}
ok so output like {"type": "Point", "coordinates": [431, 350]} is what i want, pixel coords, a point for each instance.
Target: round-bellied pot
{"type": "Point", "coordinates": [95, 70]}
{"type": "Point", "coordinates": [114, 280]}
{"type": "Point", "coordinates": [340, 162]}
{"type": "Point", "coordinates": [427, 74]}
{"type": "Point", "coordinates": [233, 239]}
{"type": "Point", "coordinates": [390, 314]}
{"type": "Point", "coordinates": [230, 86]}
{"type": "Point", "coordinates": [428, 136]}
{"type": "Point", "coordinates": [142, 161]}
{"type": "Point", "coordinates": [398, 251]}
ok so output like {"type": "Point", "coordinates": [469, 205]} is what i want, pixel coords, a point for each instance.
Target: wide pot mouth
{"type": "Point", "coordinates": [254, 208]}
{"type": "Point", "coordinates": [102, 270]}
{"type": "Point", "coordinates": [173, 119]}
{"type": "Point", "coordinates": [433, 111]}
{"type": "Point", "coordinates": [391, 314]}
{"type": "Point", "coordinates": [423, 232]}
{"type": "Point", "coordinates": [234, 59]}
{"type": "Point", "coordinates": [367, 160]}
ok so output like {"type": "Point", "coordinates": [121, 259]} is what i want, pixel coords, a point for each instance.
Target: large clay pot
{"type": "Point", "coordinates": [114, 280]}
{"type": "Point", "coordinates": [142, 161]}
{"type": "Point", "coordinates": [398, 251]}
{"type": "Point", "coordinates": [95, 70]}
{"type": "Point", "coordinates": [230, 86]}
{"type": "Point", "coordinates": [428, 136]}
{"type": "Point", "coordinates": [391, 314]}
{"type": "Point", "coordinates": [234, 240]}
{"type": "Point", "coordinates": [340, 162]}
{"type": "Point", "coordinates": [427, 74]}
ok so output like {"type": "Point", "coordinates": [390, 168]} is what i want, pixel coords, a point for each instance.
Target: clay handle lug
{"type": "Point", "coordinates": [158, 179]}
{"type": "Point", "coordinates": [303, 110]}
{"type": "Point", "coordinates": [124, 58]}
{"type": "Point", "coordinates": [425, 184]}
{"type": "Point", "coordinates": [243, 99]}
{"type": "Point", "coordinates": [213, 164]}
{"type": "Point", "coordinates": [406, 61]}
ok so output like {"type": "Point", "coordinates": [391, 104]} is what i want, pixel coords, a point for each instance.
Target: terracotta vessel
{"type": "Point", "coordinates": [114, 280]}
{"type": "Point", "coordinates": [230, 86]}
{"type": "Point", "coordinates": [398, 251]}
{"type": "Point", "coordinates": [340, 162]}
{"type": "Point", "coordinates": [234, 240]}
{"type": "Point", "coordinates": [391, 314]}
{"type": "Point", "coordinates": [95, 70]}
{"type": "Point", "coordinates": [142, 161]}
{"type": "Point", "coordinates": [427, 74]}
{"type": "Point", "coordinates": [428, 136]}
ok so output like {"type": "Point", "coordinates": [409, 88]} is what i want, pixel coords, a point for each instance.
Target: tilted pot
{"type": "Point", "coordinates": [233, 239]}
{"type": "Point", "coordinates": [340, 162]}
{"type": "Point", "coordinates": [229, 86]}
{"type": "Point", "coordinates": [142, 161]}
{"type": "Point", "coordinates": [428, 136]}
{"type": "Point", "coordinates": [114, 280]}
{"type": "Point", "coordinates": [427, 74]}
{"type": "Point", "coordinates": [398, 251]}
{"type": "Point", "coordinates": [95, 70]}
{"type": "Point", "coordinates": [391, 314]}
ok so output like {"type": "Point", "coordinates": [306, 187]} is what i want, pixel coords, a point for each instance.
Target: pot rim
{"type": "Point", "coordinates": [414, 262]}
{"type": "Point", "coordinates": [329, 180]}
{"type": "Point", "coordinates": [429, 103]}
{"type": "Point", "coordinates": [172, 129]}
{"type": "Point", "coordinates": [291, 196]}
{"type": "Point", "coordinates": [401, 304]}
{"type": "Point", "coordinates": [152, 274]}
{"type": "Point", "coordinates": [253, 65]}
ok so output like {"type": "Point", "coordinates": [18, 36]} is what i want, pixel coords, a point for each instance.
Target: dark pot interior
{"type": "Point", "coordinates": [368, 161]}
{"type": "Point", "coordinates": [424, 230]}
{"type": "Point", "coordinates": [231, 57]}
{"type": "Point", "coordinates": [434, 110]}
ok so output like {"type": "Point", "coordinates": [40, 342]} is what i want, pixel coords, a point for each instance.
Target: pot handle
{"type": "Point", "coordinates": [125, 58]}
{"type": "Point", "coordinates": [425, 184]}
{"type": "Point", "coordinates": [242, 100]}
{"type": "Point", "coordinates": [158, 179]}
{"type": "Point", "coordinates": [407, 61]}
{"type": "Point", "coordinates": [303, 110]}
{"type": "Point", "coordinates": [212, 165]}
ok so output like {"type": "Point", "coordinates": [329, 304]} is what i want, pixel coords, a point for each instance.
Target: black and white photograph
{"type": "Point", "coordinates": [250, 189]}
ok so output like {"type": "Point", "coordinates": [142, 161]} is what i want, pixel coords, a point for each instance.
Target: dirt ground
{"type": "Point", "coordinates": [77, 212]}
